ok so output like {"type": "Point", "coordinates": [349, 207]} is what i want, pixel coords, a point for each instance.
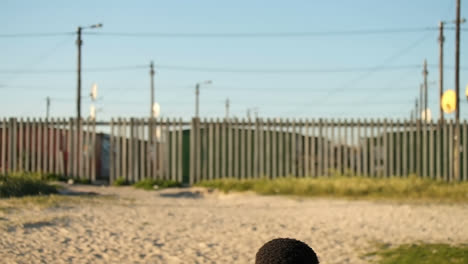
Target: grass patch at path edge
{"type": "Point", "coordinates": [348, 187]}
{"type": "Point", "coordinates": [422, 254]}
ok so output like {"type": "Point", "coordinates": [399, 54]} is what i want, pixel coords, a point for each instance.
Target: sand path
{"type": "Point", "coordinates": [194, 226]}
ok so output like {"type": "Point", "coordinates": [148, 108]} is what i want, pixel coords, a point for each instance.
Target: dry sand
{"type": "Point", "coordinates": [195, 226]}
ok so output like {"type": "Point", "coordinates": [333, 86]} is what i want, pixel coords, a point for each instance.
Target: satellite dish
{"type": "Point", "coordinates": [156, 110]}
{"type": "Point", "coordinates": [426, 115]}
{"type": "Point", "coordinates": [448, 101]}
{"type": "Point", "coordinates": [94, 92]}
{"type": "Point", "coordinates": [92, 112]}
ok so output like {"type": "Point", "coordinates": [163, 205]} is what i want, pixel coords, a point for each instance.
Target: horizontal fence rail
{"type": "Point", "coordinates": [204, 149]}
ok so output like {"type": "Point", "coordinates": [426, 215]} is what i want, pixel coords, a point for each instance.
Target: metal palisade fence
{"type": "Point", "coordinates": [189, 152]}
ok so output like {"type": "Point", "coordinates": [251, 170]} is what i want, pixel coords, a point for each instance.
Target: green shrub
{"type": "Point", "coordinates": [149, 184]}
{"type": "Point", "coordinates": [120, 182]}
{"type": "Point", "coordinates": [17, 185]}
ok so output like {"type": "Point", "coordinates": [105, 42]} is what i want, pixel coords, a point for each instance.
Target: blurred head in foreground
{"type": "Point", "coordinates": [286, 251]}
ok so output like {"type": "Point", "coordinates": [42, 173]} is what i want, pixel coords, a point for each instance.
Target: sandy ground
{"type": "Point", "coordinates": [197, 226]}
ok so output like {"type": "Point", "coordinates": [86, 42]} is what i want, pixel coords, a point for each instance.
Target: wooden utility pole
{"type": "Point", "coordinates": [421, 100]}
{"type": "Point", "coordinates": [425, 72]}
{"type": "Point", "coordinates": [441, 70]}
{"type": "Point", "coordinates": [227, 108]}
{"type": "Point", "coordinates": [152, 89]}
{"type": "Point", "coordinates": [47, 107]}
{"type": "Point", "coordinates": [78, 90]}
{"type": "Point", "coordinates": [416, 109]}
{"type": "Point", "coordinates": [456, 157]}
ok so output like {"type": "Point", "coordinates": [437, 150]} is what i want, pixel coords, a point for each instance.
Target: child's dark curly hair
{"type": "Point", "coordinates": [286, 251]}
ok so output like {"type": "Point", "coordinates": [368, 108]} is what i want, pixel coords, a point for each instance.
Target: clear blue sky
{"type": "Point", "coordinates": [389, 93]}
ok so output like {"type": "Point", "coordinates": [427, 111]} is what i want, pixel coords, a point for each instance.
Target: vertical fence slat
{"type": "Point", "coordinates": [4, 146]}
{"type": "Point", "coordinates": [192, 152]}
{"type": "Point", "coordinates": [242, 148]}
{"type": "Point", "coordinates": [217, 143]}
{"type": "Point", "coordinates": [384, 149]}
{"type": "Point", "coordinates": [34, 145]}
{"type": "Point", "coordinates": [424, 150]}
{"type": "Point", "coordinates": [404, 154]}
{"type": "Point", "coordinates": [211, 145]}
{"type": "Point", "coordinates": [372, 149]}
{"type": "Point", "coordinates": [199, 151]}
{"type": "Point", "coordinates": [439, 150]}
{"type": "Point", "coordinates": [255, 153]}
{"type": "Point", "coordinates": [27, 147]}
{"type": "Point", "coordinates": [274, 149]}
{"type": "Point", "coordinates": [293, 147]}
{"type": "Point", "coordinates": [179, 152]}
{"type": "Point", "coordinates": [352, 147]}
{"type": "Point", "coordinates": [236, 131]}
{"type": "Point", "coordinates": [20, 144]}
{"type": "Point", "coordinates": [465, 151]}
{"type": "Point", "coordinates": [173, 150]}
{"type": "Point", "coordinates": [358, 148]}
{"type": "Point", "coordinates": [300, 149]}
{"type": "Point", "coordinates": [306, 148]}
{"type": "Point", "coordinates": [313, 153]}
{"type": "Point", "coordinates": [40, 144]}
{"type": "Point", "coordinates": [57, 138]}
{"type": "Point", "coordinates": [166, 149]}
{"type": "Point", "coordinates": [335, 147]}
{"type": "Point", "coordinates": [50, 154]}
{"type": "Point", "coordinates": [431, 162]}
{"type": "Point", "coordinates": [328, 141]}
{"type": "Point", "coordinates": [268, 148]}
{"type": "Point", "coordinates": [230, 164]}
{"type": "Point", "coordinates": [412, 152]}
{"type": "Point", "coordinates": [398, 149]}
{"type": "Point", "coordinates": [320, 147]}
{"type": "Point", "coordinates": [261, 148]}
{"type": "Point", "coordinates": [445, 163]}
{"type": "Point", "coordinates": [142, 158]}
{"type": "Point", "coordinates": [112, 153]}
{"type": "Point", "coordinates": [450, 150]}
{"type": "Point", "coordinates": [390, 149]}
{"type": "Point", "coordinates": [280, 149]}
{"type": "Point", "coordinates": [14, 144]}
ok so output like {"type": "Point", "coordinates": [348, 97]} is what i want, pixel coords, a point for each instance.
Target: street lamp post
{"type": "Point", "coordinates": [197, 95]}
{"type": "Point", "coordinates": [79, 43]}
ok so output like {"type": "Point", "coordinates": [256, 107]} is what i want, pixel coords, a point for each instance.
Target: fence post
{"type": "Point", "coordinates": [192, 152]}
{"type": "Point", "coordinates": [274, 152]}
{"type": "Point", "coordinates": [306, 148]}
{"type": "Point", "coordinates": [313, 153]}
{"type": "Point", "coordinates": [179, 152]}
{"type": "Point", "coordinates": [451, 146]}
{"type": "Point", "coordinates": [465, 151]}
{"type": "Point", "coordinates": [236, 131]}
{"type": "Point", "coordinates": [256, 150]}
{"type": "Point", "coordinates": [431, 162]}
{"type": "Point", "coordinates": [320, 148]}
{"type": "Point", "coordinates": [217, 143]}
{"type": "Point", "coordinates": [280, 149]}
{"type": "Point", "coordinates": [398, 150]}
{"type": "Point", "coordinates": [223, 149]}
{"type": "Point", "coordinates": [424, 150]}
{"type": "Point", "coordinates": [27, 157]}
{"type": "Point", "coordinates": [20, 147]}
{"type": "Point", "coordinates": [268, 149]}
{"type": "Point", "coordinates": [4, 146]}
{"type": "Point", "coordinates": [242, 147]}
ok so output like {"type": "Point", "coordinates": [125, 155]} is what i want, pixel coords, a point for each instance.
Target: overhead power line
{"type": "Point", "coordinates": [95, 69]}
{"type": "Point", "coordinates": [35, 35]}
{"type": "Point", "coordinates": [265, 34]}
